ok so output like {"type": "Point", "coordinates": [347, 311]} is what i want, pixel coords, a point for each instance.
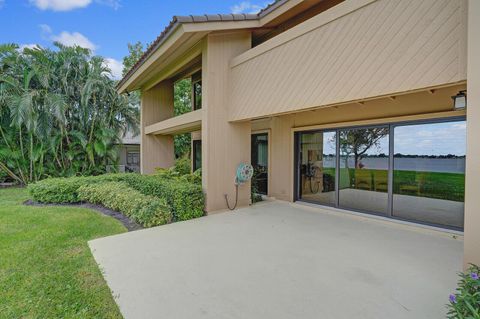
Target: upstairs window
{"type": "Point", "coordinates": [197, 90]}
{"type": "Point", "coordinates": [197, 155]}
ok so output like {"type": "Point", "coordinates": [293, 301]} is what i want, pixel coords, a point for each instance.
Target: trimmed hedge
{"type": "Point", "coordinates": [58, 190]}
{"type": "Point", "coordinates": [185, 199]}
{"type": "Point", "coordinates": [183, 195]}
{"type": "Point", "coordinates": [145, 210]}
{"type": "Point", "coordinates": [63, 190]}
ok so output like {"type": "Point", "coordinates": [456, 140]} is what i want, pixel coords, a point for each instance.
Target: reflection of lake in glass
{"type": "Point", "coordinates": [422, 164]}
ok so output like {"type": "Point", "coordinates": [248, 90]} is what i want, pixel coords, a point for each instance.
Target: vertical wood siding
{"type": "Point", "coordinates": [385, 47]}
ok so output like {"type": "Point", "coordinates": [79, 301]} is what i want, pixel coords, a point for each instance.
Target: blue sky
{"type": "Point", "coordinates": [106, 26]}
{"type": "Point", "coordinates": [419, 139]}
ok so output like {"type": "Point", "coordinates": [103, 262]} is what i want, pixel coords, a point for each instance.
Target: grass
{"type": "Point", "coordinates": [448, 186]}
{"type": "Point", "coordinates": [46, 268]}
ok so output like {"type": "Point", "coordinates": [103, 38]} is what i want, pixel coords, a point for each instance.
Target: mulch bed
{"type": "Point", "coordinates": [9, 185]}
{"type": "Point", "coordinates": [127, 222]}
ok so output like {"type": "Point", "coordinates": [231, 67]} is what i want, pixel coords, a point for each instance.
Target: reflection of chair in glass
{"type": "Point", "coordinates": [363, 179]}
{"type": "Point", "coordinates": [328, 182]}
{"type": "Point", "coordinates": [415, 187]}
{"type": "Point", "coordinates": [380, 180]}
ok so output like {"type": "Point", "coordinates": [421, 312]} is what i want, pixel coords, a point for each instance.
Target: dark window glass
{"type": "Point", "coordinates": [197, 154]}
{"type": "Point", "coordinates": [318, 167]}
{"type": "Point", "coordinates": [133, 158]}
{"type": "Point", "coordinates": [197, 95]}
{"type": "Point", "coordinates": [412, 171]}
{"type": "Point", "coordinates": [260, 163]}
{"type": "Point", "coordinates": [429, 172]}
{"type": "Point", "coordinates": [364, 169]}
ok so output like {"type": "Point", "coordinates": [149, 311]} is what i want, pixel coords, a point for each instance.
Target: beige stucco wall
{"type": "Point", "coordinates": [472, 190]}
{"type": "Point", "coordinates": [224, 144]}
{"type": "Point", "coordinates": [408, 107]}
{"type": "Point", "coordinates": [356, 50]}
{"type": "Point", "coordinates": [156, 151]}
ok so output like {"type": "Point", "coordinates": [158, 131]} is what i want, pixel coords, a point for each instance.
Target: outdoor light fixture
{"type": "Point", "coordinates": [460, 100]}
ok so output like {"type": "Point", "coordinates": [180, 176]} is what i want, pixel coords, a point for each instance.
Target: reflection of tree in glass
{"type": "Point", "coordinates": [358, 142]}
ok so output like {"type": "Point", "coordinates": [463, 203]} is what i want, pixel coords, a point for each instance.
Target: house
{"type": "Point", "coordinates": [356, 104]}
{"type": "Point", "coordinates": [128, 154]}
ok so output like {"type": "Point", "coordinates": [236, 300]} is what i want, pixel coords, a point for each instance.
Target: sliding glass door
{"type": "Point", "coordinates": [429, 173]}
{"type": "Point", "coordinates": [318, 167]}
{"type": "Point", "coordinates": [412, 171]}
{"type": "Point", "coordinates": [364, 169]}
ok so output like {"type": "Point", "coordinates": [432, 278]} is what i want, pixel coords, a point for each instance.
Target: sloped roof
{"type": "Point", "coordinates": [130, 138]}
{"type": "Point", "coordinates": [177, 20]}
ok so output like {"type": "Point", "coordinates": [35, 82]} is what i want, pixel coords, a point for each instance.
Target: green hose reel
{"type": "Point", "coordinates": [244, 173]}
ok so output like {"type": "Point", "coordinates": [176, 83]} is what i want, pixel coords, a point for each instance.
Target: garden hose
{"type": "Point", "coordinates": [236, 198]}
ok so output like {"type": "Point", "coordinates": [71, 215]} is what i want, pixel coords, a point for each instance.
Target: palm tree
{"type": "Point", "coordinates": [60, 114]}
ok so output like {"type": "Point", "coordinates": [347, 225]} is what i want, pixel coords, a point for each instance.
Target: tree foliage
{"type": "Point", "coordinates": [182, 97]}
{"type": "Point", "coordinates": [60, 114]}
{"type": "Point", "coordinates": [135, 51]}
{"type": "Point", "coordinates": [358, 142]}
{"type": "Point", "coordinates": [182, 104]}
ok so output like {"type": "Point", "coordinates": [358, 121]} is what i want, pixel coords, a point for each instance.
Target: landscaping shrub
{"type": "Point", "coordinates": [183, 165]}
{"type": "Point", "coordinates": [185, 198]}
{"type": "Point", "coordinates": [145, 210]}
{"type": "Point", "coordinates": [57, 190]}
{"type": "Point", "coordinates": [183, 195]}
{"type": "Point", "coordinates": [465, 303]}
{"type": "Point", "coordinates": [65, 189]}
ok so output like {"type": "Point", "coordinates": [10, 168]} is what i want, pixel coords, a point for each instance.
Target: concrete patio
{"type": "Point", "coordinates": [281, 260]}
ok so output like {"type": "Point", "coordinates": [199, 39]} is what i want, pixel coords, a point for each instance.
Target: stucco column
{"type": "Point", "coordinates": [472, 187]}
{"type": "Point", "coordinates": [156, 150]}
{"type": "Point", "coordinates": [224, 144]}
{"type": "Point", "coordinates": [281, 170]}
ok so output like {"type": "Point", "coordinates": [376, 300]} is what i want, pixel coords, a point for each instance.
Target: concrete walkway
{"type": "Point", "coordinates": [280, 260]}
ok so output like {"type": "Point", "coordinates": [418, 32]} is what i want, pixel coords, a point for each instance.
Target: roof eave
{"type": "Point", "coordinates": [125, 83]}
{"type": "Point", "coordinates": [183, 26]}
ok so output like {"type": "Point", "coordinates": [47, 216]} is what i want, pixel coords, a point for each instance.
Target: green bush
{"type": "Point", "coordinates": [185, 198]}
{"type": "Point", "coordinates": [145, 210]}
{"type": "Point", "coordinates": [183, 165]}
{"type": "Point", "coordinates": [465, 303]}
{"type": "Point", "coordinates": [183, 195]}
{"type": "Point", "coordinates": [65, 189]}
{"type": "Point", "coordinates": [57, 190]}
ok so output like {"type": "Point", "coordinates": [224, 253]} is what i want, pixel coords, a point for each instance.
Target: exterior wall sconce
{"type": "Point", "coordinates": [460, 100]}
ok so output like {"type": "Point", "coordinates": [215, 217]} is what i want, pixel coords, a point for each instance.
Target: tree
{"type": "Point", "coordinates": [60, 114]}
{"type": "Point", "coordinates": [182, 97]}
{"type": "Point", "coordinates": [135, 51]}
{"type": "Point", "coordinates": [358, 142]}
{"type": "Point", "coordinates": [182, 104]}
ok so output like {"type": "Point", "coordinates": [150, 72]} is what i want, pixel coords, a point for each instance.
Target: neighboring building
{"type": "Point", "coordinates": [128, 154]}
{"type": "Point", "coordinates": [341, 103]}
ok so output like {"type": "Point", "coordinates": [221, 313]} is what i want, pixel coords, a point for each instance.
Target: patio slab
{"type": "Point", "coordinates": [281, 260]}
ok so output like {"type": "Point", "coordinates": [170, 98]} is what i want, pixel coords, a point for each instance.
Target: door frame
{"type": "Point", "coordinates": [392, 124]}
{"type": "Point", "coordinates": [269, 147]}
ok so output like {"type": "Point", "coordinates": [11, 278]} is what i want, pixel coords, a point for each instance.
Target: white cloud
{"type": "Point", "coordinates": [75, 38]}
{"type": "Point", "coordinates": [30, 46]}
{"type": "Point", "coordinates": [60, 5]}
{"type": "Point", "coordinates": [115, 66]}
{"type": "Point", "coordinates": [246, 7]}
{"type": "Point", "coordinates": [115, 4]}
{"type": "Point", "coordinates": [67, 5]}
{"type": "Point", "coordinates": [45, 28]}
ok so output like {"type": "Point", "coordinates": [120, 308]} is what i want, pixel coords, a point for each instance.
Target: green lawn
{"type": "Point", "coordinates": [46, 268]}
{"type": "Point", "coordinates": [448, 186]}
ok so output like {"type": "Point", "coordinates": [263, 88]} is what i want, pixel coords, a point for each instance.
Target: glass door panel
{"type": "Point", "coordinates": [260, 163]}
{"type": "Point", "coordinates": [363, 183]}
{"type": "Point", "coordinates": [429, 173]}
{"type": "Point", "coordinates": [318, 167]}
